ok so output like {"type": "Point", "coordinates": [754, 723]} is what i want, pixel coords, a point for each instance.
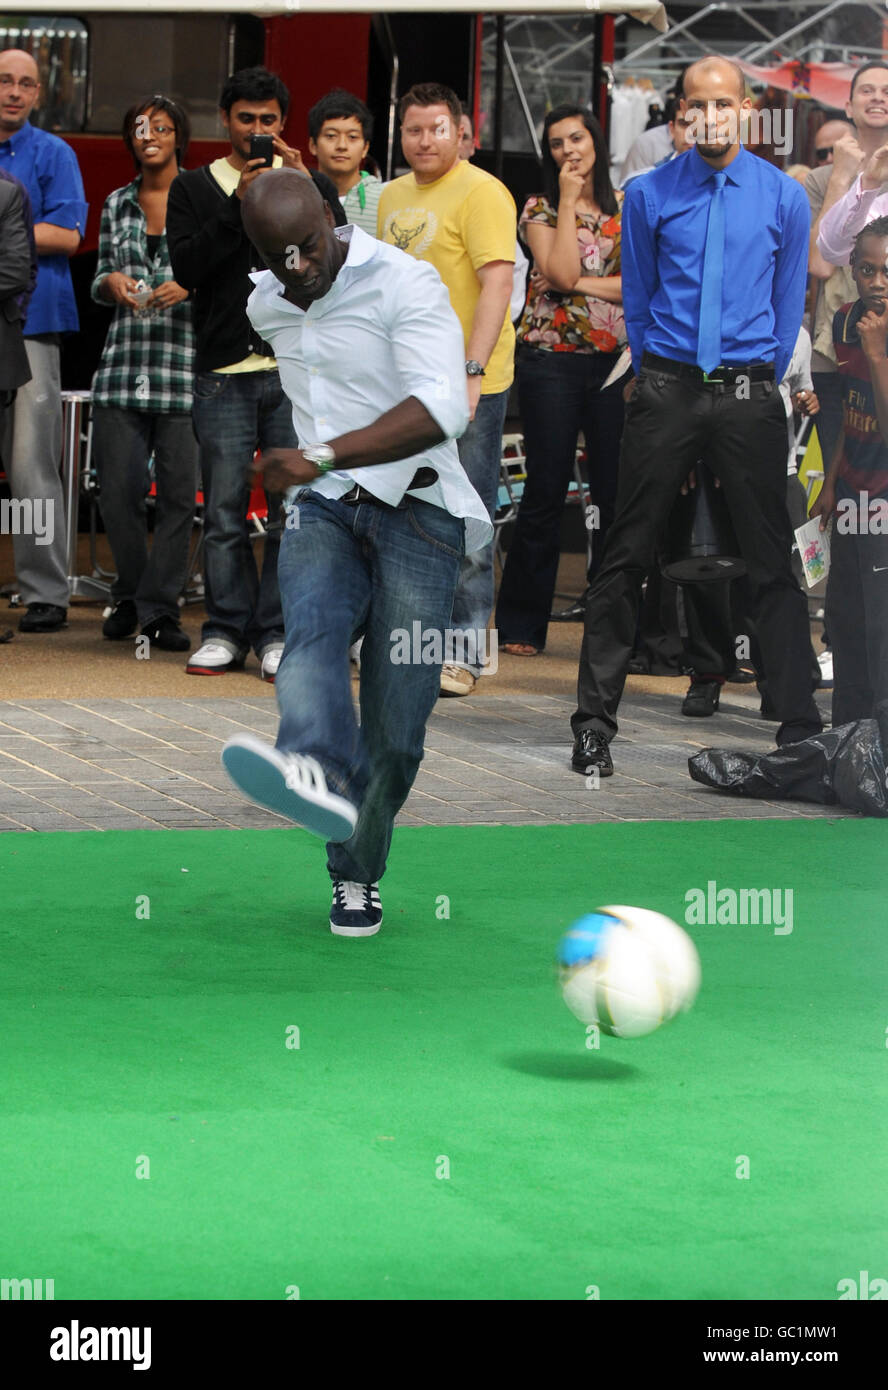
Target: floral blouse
{"type": "Point", "coordinates": [576, 322]}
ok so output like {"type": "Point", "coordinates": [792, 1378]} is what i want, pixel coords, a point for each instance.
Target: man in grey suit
{"type": "Point", "coordinates": [18, 275]}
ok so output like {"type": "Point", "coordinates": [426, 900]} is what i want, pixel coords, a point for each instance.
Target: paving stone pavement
{"type": "Point", "coordinates": [498, 760]}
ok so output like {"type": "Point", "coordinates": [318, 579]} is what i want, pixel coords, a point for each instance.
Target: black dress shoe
{"type": "Point", "coordinates": [702, 698]}
{"type": "Point", "coordinates": [43, 617]}
{"type": "Point", "coordinates": [576, 613]}
{"type": "Point", "coordinates": [590, 751]}
{"type": "Point", "coordinates": [166, 634]}
{"type": "Point", "coordinates": [121, 621]}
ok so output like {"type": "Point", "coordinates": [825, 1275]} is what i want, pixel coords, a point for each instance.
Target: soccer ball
{"type": "Point", "coordinates": [627, 970]}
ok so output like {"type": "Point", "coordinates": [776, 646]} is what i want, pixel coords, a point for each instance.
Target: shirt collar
{"type": "Point", "coordinates": [361, 246]}
{"type": "Point", "coordinates": [734, 173]}
{"type": "Point", "coordinates": [20, 139]}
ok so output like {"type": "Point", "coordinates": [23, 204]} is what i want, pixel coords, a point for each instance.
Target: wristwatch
{"type": "Point", "coordinates": [474, 368]}
{"type": "Point", "coordinates": [322, 456]}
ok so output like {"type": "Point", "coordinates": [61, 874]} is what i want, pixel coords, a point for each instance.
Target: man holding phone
{"type": "Point", "coordinates": [238, 405]}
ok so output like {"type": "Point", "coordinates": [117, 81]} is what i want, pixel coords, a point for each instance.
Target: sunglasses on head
{"type": "Point", "coordinates": [823, 152]}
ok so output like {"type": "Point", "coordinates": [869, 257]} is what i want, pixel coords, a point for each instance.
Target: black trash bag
{"type": "Point", "coordinates": [844, 766]}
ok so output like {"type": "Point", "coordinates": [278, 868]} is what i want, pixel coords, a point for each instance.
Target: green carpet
{"type": "Point", "coordinates": [441, 1043]}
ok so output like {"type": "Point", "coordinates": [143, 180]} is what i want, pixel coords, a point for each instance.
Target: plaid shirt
{"type": "Point", "coordinates": [148, 359]}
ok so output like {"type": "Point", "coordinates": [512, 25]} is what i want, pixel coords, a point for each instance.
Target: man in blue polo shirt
{"type": "Point", "coordinates": [31, 444]}
{"type": "Point", "coordinates": [715, 248]}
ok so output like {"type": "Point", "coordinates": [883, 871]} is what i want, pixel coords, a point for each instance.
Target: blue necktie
{"type": "Point", "coordinates": [709, 336]}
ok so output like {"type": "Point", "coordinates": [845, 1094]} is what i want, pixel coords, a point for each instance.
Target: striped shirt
{"type": "Point", "coordinates": [148, 359]}
{"type": "Point", "coordinates": [361, 202]}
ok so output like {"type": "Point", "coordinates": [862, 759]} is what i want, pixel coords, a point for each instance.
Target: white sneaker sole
{"type": "Point", "coordinates": [260, 772]}
{"type": "Point", "coordinates": [354, 931]}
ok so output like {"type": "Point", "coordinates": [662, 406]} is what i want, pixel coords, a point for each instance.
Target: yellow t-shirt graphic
{"type": "Point", "coordinates": [459, 223]}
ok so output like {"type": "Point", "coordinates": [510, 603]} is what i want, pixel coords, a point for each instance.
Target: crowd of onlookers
{"type": "Point", "coordinates": [185, 381]}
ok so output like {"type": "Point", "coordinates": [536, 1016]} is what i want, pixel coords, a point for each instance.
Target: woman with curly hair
{"type": "Point", "coordinates": [570, 336]}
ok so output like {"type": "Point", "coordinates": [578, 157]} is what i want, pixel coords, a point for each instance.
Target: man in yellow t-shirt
{"type": "Point", "coordinates": [462, 220]}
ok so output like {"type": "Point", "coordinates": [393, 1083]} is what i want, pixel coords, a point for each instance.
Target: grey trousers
{"type": "Point", "coordinates": [31, 449]}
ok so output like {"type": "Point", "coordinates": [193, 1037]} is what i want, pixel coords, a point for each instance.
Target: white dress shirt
{"type": "Point", "coordinates": [383, 331]}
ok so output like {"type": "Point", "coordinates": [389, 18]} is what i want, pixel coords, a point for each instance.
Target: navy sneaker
{"type": "Point", "coordinates": [356, 909]}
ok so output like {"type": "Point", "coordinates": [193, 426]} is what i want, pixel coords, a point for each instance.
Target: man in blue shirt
{"type": "Point", "coordinates": [715, 249]}
{"type": "Point", "coordinates": [31, 445]}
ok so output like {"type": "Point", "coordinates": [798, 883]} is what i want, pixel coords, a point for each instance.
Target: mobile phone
{"type": "Point", "coordinates": [262, 147]}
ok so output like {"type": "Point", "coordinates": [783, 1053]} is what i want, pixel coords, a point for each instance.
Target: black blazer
{"type": "Point", "coordinates": [15, 283]}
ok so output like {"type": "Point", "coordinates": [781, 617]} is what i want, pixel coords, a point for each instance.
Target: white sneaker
{"type": "Point", "coordinates": [214, 659]}
{"type": "Point", "coordinates": [290, 784]}
{"type": "Point", "coordinates": [825, 662]}
{"type": "Point", "coordinates": [456, 680]}
{"type": "Point", "coordinates": [271, 660]}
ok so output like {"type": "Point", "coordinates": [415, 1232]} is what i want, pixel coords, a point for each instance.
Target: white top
{"type": "Point", "coordinates": [383, 331]}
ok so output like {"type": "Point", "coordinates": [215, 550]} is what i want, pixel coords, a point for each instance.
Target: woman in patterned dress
{"type": "Point", "coordinates": [569, 339]}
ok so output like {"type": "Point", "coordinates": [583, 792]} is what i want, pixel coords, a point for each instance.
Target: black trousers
{"type": "Point", "coordinates": [671, 422]}
{"type": "Point", "coordinates": [559, 393]}
{"type": "Point", "coordinates": [857, 614]}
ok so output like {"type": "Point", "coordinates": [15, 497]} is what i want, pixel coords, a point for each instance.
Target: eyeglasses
{"type": "Point", "coordinates": [27, 84]}
{"type": "Point", "coordinates": [823, 152]}
{"type": "Point", "coordinates": [159, 130]}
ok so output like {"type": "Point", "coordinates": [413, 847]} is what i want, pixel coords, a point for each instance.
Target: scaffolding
{"type": "Point", "coordinates": [808, 39]}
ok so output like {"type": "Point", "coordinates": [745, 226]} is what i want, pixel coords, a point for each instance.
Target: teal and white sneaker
{"type": "Point", "coordinates": [356, 909]}
{"type": "Point", "coordinates": [291, 784]}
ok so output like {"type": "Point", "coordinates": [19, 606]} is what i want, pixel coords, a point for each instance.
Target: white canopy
{"type": "Point", "coordinates": [649, 11]}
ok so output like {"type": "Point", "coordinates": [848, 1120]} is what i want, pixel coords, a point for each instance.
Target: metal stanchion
{"type": "Point", "coordinates": [74, 404]}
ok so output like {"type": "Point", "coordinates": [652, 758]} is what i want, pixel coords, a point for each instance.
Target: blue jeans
{"type": "Point", "coordinates": [234, 414]}
{"type": "Point", "coordinates": [349, 570]}
{"type": "Point", "coordinates": [480, 451]}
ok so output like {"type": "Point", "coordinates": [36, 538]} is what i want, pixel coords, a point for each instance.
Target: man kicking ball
{"type": "Point", "coordinates": [380, 514]}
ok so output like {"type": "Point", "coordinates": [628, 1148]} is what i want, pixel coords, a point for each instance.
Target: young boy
{"type": "Point", "coordinates": [339, 129]}
{"type": "Point", "coordinates": [855, 491]}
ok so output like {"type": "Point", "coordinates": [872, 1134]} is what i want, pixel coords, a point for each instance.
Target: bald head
{"type": "Point", "coordinates": [724, 68]}
{"type": "Point", "coordinates": [281, 199]}
{"type": "Point", "coordinates": [291, 227]}
{"type": "Point", "coordinates": [17, 59]}
{"type": "Point", "coordinates": [19, 89]}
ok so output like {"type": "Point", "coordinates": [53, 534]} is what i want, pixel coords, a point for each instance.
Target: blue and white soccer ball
{"type": "Point", "coordinates": [627, 970]}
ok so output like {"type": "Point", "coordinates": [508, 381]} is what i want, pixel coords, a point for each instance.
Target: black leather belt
{"type": "Point", "coordinates": [724, 376]}
{"type": "Point", "coordinates": [423, 477]}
